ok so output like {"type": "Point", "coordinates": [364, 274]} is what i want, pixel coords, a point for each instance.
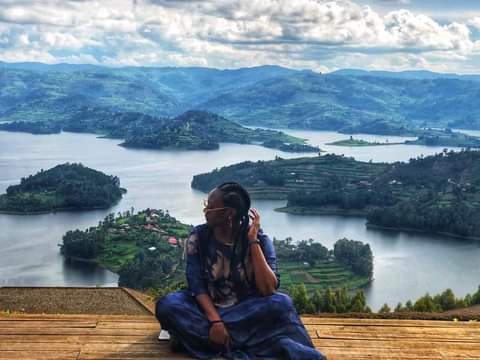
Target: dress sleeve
{"type": "Point", "coordinates": [269, 253]}
{"type": "Point", "coordinates": [195, 280]}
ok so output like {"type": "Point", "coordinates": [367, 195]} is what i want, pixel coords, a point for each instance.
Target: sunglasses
{"type": "Point", "coordinates": [207, 209]}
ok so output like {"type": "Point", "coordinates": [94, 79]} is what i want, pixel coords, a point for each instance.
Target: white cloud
{"type": "Point", "coordinates": [318, 34]}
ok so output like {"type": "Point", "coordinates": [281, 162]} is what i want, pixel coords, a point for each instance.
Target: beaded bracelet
{"type": "Point", "coordinates": [255, 241]}
{"type": "Point", "coordinates": [210, 323]}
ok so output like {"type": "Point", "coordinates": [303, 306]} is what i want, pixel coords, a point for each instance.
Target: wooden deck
{"type": "Point", "coordinates": [135, 337]}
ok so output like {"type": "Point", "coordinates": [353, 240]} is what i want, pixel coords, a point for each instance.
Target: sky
{"type": "Point", "coordinates": [321, 35]}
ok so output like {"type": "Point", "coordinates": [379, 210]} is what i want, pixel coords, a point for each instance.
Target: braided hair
{"type": "Point", "coordinates": [235, 196]}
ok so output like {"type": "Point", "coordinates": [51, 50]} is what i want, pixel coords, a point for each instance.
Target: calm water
{"type": "Point", "coordinates": [406, 265]}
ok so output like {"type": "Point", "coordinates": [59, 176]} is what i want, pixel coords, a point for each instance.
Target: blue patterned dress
{"type": "Point", "coordinates": [266, 327]}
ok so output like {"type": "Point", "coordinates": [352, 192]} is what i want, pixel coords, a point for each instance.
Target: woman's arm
{"type": "Point", "coordinates": [265, 278]}
{"type": "Point", "coordinates": [208, 308]}
{"type": "Point", "coordinates": [218, 333]}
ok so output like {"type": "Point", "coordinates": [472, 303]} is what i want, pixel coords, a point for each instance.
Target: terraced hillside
{"type": "Point", "coordinates": [278, 178]}
{"type": "Point", "coordinates": [436, 194]}
{"type": "Point", "coordinates": [325, 274]}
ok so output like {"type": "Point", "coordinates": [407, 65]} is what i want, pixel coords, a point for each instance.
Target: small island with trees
{"type": "Point", "coordinates": [352, 142]}
{"type": "Point", "coordinates": [425, 137]}
{"type": "Point", "coordinates": [62, 188]}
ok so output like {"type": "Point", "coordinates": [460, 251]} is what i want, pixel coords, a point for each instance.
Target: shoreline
{"type": "Point", "coordinates": [93, 261]}
{"type": "Point", "coordinates": [43, 212]}
{"type": "Point", "coordinates": [412, 230]}
{"type": "Point", "coordinates": [339, 143]}
{"type": "Point", "coordinates": [296, 210]}
{"type": "Point", "coordinates": [299, 210]}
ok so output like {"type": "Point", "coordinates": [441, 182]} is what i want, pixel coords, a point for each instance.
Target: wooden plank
{"type": "Point", "coordinates": [380, 354]}
{"type": "Point", "coordinates": [473, 347]}
{"type": "Point", "coordinates": [45, 346]}
{"type": "Point", "coordinates": [88, 355]}
{"type": "Point", "coordinates": [87, 317]}
{"type": "Point", "coordinates": [16, 324]}
{"type": "Point", "coordinates": [80, 339]}
{"type": "Point", "coordinates": [388, 322]}
{"type": "Point", "coordinates": [39, 355]}
{"type": "Point", "coordinates": [127, 337]}
{"type": "Point", "coordinates": [143, 299]}
{"type": "Point", "coordinates": [364, 332]}
{"type": "Point", "coordinates": [103, 324]}
{"type": "Point", "coordinates": [342, 354]}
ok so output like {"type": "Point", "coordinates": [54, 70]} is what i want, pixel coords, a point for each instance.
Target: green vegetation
{"type": "Point", "coordinates": [327, 301]}
{"type": "Point", "coordinates": [145, 249]}
{"type": "Point", "coordinates": [340, 301]}
{"type": "Point", "coordinates": [445, 138]}
{"type": "Point", "coordinates": [204, 130]}
{"type": "Point", "coordinates": [268, 96]}
{"type": "Point", "coordinates": [193, 130]}
{"type": "Point", "coordinates": [445, 301]}
{"type": "Point", "coordinates": [438, 194]}
{"type": "Point", "coordinates": [138, 247]}
{"type": "Point", "coordinates": [349, 265]}
{"type": "Point", "coordinates": [64, 187]}
{"type": "Point", "coordinates": [427, 137]}
{"type": "Point", "coordinates": [278, 178]}
{"type": "Point", "coordinates": [358, 142]}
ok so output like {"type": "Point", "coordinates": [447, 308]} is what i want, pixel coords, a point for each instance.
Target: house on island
{"type": "Point", "coordinates": [172, 241]}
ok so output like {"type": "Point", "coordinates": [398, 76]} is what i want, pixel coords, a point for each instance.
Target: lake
{"type": "Point", "coordinates": [407, 265]}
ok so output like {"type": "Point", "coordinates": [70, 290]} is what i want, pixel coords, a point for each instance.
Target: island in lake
{"type": "Point", "coordinates": [63, 187]}
{"type": "Point", "coordinates": [146, 249]}
{"type": "Point", "coordinates": [359, 142]}
{"type": "Point", "coordinates": [192, 130]}
{"type": "Point", "coordinates": [426, 137]}
{"type": "Point", "coordinates": [436, 194]}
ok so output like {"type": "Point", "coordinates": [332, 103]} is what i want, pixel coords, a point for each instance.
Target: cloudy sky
{"type": "Point", "coordinates": [314, 34]}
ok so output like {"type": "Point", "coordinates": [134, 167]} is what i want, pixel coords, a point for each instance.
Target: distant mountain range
{"type": "Point", "coordinates": [347, 100]}
{"type": "Point", "coordinates": [409, 74]}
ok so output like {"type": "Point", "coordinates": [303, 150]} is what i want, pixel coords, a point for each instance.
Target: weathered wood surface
{"type": "Point", "coordinates": [135, 337]}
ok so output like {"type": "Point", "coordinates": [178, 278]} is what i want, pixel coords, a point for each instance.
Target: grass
{"type": "Point", "coordinates": [327, 274]}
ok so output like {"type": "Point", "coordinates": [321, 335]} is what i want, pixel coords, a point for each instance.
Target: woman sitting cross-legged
{"type": "Point", "coordinates": [231, 308]}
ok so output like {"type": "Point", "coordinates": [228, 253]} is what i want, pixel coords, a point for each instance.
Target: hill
{"type": "Point", "coordinates": [192, 130]}
{"type": "Point", "coordinates": [63, 187]}
{"type": "Point", "coordinates": [438, 194]}
{"type": "Point", "coordinates": [349, 101]}
{"type": "Point", "coordinates": [39, 92]}
{"type": "Point", "coordinates": [353, 104]}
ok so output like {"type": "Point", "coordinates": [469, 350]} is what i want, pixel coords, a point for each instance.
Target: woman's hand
{"type": "Point", "coordinates": [255, 225]}
{"type": "Point", "coordinates": [219, 335]}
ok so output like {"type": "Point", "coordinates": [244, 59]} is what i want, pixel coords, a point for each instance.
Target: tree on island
{"type": "Point", "coordinates": [67, 186]}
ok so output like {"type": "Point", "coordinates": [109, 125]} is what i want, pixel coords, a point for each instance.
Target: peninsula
{"type": "Point", "coordinates": [146, 249]}
{"type": "Point", "coordinates": [419, 195]}
{"type": "Point", "coordinates": [192, 130]}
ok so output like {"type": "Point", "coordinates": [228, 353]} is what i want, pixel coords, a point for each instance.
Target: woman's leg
{"type": "Point", "coordinates": [180, 315]}
{"type": "Point", "coordinates": [269, 327]}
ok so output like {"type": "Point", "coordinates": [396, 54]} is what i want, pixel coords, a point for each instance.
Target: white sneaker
{"type": "Point", "coordinates": [164, 335]}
